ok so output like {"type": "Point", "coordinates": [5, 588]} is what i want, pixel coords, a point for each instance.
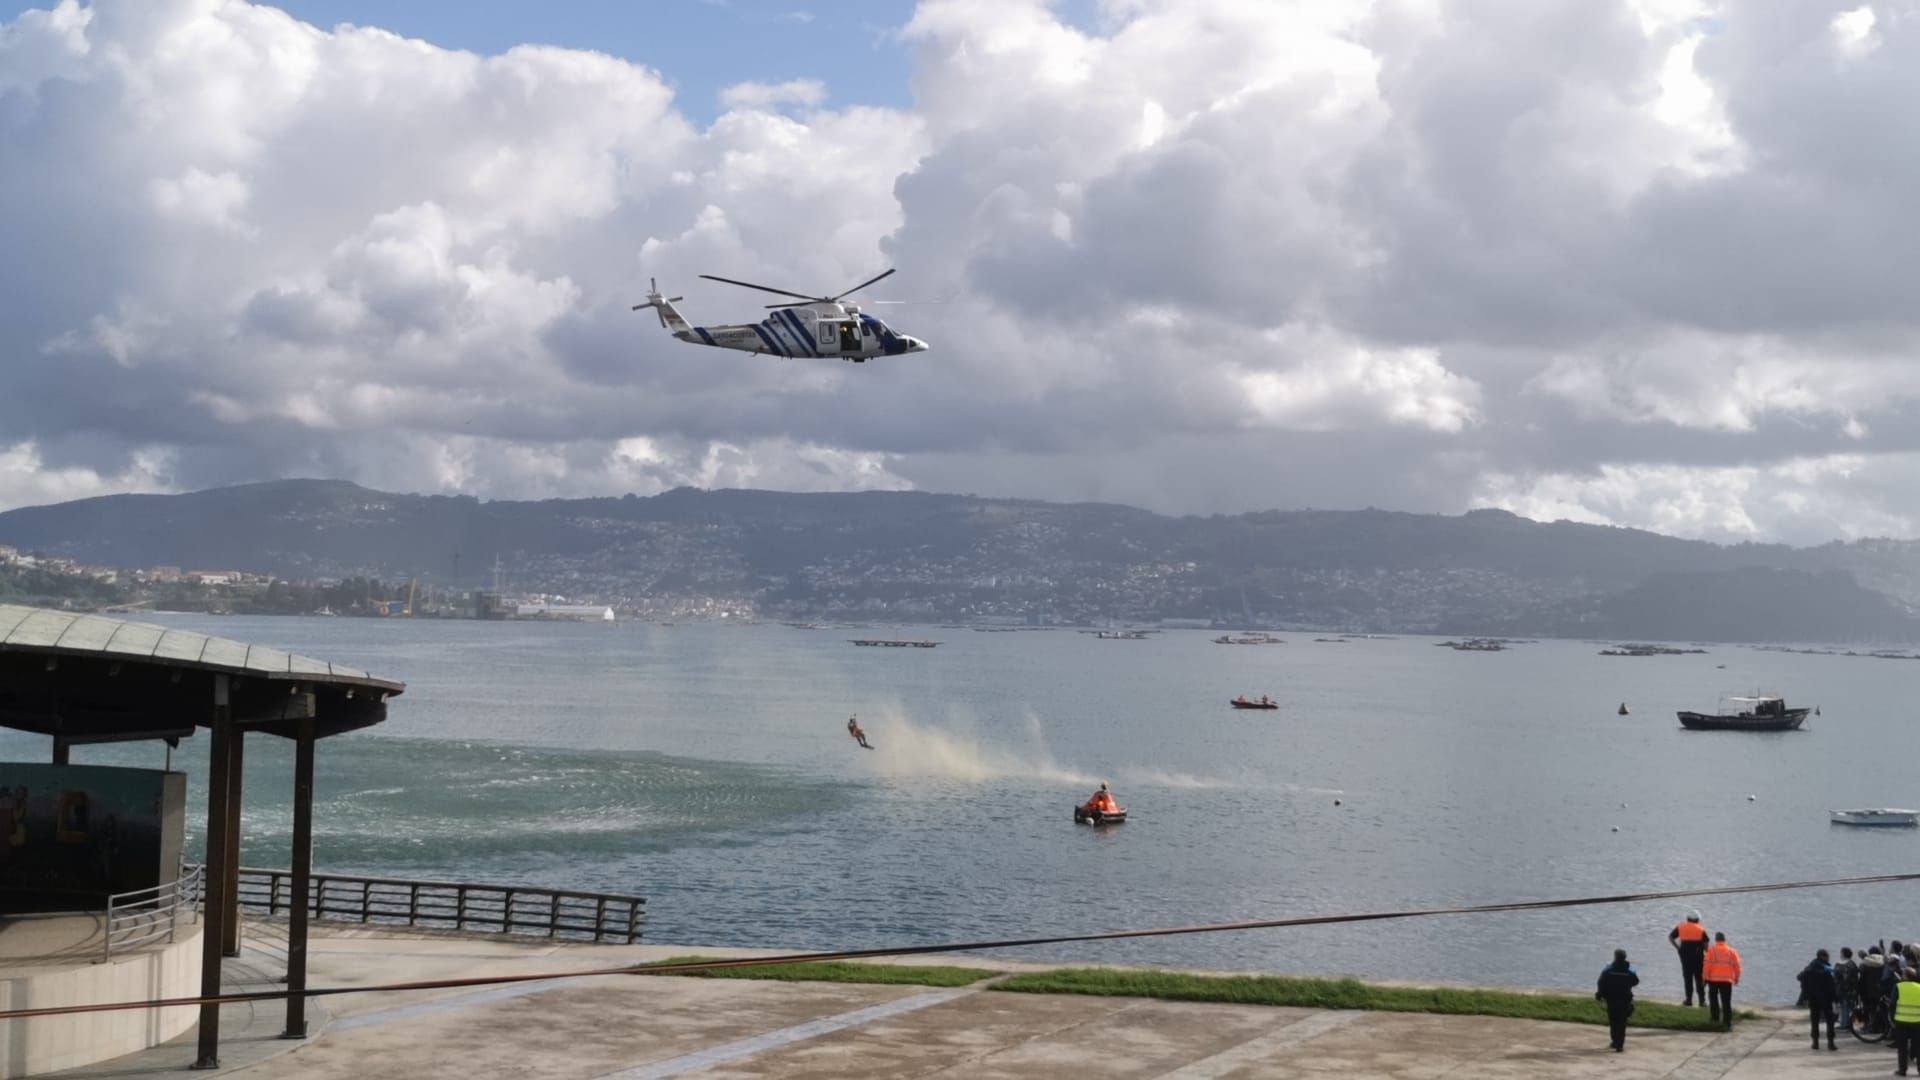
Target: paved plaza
{"type": "Point", "coordinates": [658, 1027]}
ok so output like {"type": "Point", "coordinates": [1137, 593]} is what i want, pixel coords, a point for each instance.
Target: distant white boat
{"type": "Point", "coordinates": [1881, 816]}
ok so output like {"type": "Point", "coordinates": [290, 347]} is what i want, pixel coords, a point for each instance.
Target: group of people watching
{"type": "Point", "coordinates": [1876, 987]}
{"type": "Point", "coordinates": [1709, 969]}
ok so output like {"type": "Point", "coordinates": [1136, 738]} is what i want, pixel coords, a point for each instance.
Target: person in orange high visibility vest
{"type": "Point", "coordinates": [1689, 939]}
{"type": "Point", "coordinates": [1721, 969]}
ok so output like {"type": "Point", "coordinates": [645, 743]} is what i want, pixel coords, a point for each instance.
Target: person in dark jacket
{"type": "Point", "coordinates": [1846, 983]}
{"type": "Point", "coordinates": [1890, 973]}
{"type": "Point", "coordinates": [1617, 981]}
{"type": "Point", "coordinates": [1819, 988]}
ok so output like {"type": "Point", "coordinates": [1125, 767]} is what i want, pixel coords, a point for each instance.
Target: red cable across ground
{"type": "Point", "coordinates": [968, 946]}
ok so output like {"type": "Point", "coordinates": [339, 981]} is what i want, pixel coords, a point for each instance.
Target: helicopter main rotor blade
{"type": "Point", "coordinates": [798, 303]}
{"type": "Point", "coordinates": [862, 285]}
{"type": "Point", "coordinates": [762, 288]}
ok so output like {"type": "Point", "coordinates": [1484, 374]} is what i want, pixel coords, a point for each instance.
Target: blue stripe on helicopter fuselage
{"type": "Point", "coordinates": [768, 341]}
{"type": "Point", "coordinates": [782, 335]}
{"type": "Point", "coordinates": [813, 341]}
{"type": "Point", "coordinates": [705, 338]}
{"type": "Point", "coordinates": [800, 332]}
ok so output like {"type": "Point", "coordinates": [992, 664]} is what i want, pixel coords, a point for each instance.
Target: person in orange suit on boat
{"type": "Point", "coordinates": [1102, 801]}
{"type": "Point", "coordinates": [853, 729]}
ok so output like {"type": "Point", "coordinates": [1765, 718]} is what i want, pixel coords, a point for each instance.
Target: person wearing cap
{"type": "Point", "coordinates": [1906, 1018]}
{"type": "Point", "coordinates": [1721, 970]}
{"type": "Point", "coordinates": [1690, 940]}
{"type": "Point", "coordinates": [1617, 981]}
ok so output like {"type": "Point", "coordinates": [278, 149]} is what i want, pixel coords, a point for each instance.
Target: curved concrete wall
{"type": "Point", "coordinates": [51, 1043]}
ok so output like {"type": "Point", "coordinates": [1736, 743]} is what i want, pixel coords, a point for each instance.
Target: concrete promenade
{"type": "Point", "coordinates": [659, 1027]}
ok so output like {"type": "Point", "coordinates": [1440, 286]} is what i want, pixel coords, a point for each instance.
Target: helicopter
{"type": "Point", "coordinates": [823, 326]}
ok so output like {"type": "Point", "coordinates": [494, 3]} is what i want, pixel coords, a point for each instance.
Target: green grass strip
{"type": "Point", "coordinates": [1347, 994]}
{"type": "Point", "coordinates": [836, 972]}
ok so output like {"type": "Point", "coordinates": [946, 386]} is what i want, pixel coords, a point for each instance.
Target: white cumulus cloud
{"type": "Point", "coordinates": [1638, 261]}
{"type": "Point", "coordinates": [808, 93]}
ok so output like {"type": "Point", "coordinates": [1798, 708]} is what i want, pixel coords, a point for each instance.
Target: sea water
{"type": "Point", "coordinates": [707, 767]}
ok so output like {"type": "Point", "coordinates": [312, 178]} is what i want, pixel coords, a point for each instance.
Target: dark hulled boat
{"type": "Point", "coordinates": [1762, 713]}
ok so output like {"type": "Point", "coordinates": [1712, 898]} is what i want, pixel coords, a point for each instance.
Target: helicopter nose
{"type": "Point", "coordinates": [914, 345]}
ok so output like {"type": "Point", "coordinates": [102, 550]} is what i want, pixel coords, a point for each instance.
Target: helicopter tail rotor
{"type": "Point", "coordinates": [657, 302]}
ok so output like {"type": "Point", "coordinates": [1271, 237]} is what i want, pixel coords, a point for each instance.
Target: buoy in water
{"type": "Point", "coordinates": [1623, 708]}
{"type": "Point", "coordinates": [1336, 802]}
{"type": "Point", "coordinates": [1616, 828]}
{"type": "Point", "coordinates": [1750, 798]}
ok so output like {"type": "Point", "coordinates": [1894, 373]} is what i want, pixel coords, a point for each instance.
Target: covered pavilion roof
{"type": "Point", "coordinates": [87, 678]}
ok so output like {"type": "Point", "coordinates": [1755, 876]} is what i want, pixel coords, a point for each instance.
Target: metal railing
{"type": "Point", "coordinates": [450, 905]}
{"type": "Point", "coordinates": [144, 916]}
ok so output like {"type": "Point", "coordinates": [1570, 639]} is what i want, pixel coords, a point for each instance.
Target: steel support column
{"type": "Point", "coordinates": [213, 903]}
{"type": "Point", "coordinates": [302, 880]}
{"type": "Point", "coordinates": [230, 880]}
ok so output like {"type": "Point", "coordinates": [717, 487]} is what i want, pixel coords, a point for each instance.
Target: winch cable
{"type": "Point", "coordinates": [968, 946]}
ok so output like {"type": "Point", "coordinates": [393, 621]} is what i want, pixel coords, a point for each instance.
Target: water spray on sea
{"type": "Point", "coordinates": [965, 750]}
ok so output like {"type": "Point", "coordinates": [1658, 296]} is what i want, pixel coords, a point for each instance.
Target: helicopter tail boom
{"type": "Point", "coordinates": [670, 316]}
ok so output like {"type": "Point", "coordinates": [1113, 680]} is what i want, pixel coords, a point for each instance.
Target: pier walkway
{"type": "Point", "coordinates": [652, 1028]}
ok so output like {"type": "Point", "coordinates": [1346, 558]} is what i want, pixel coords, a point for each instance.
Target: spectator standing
{"type": "Point", "coordinates": [1846, 984]}
{"type": "Point", "coordinates": [1721, 970]}
{"type": "Point", "coordinates": [1617, 981]}
{"type": "Point", "coordinates": [1906, 1020]}
{"type": "Point", "coordinates": [1689, 939]}
{"type": "Point", "coordinates": [1818, 987]}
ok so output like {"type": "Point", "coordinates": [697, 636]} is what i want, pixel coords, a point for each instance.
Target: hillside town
{"type": "Point", "coordinates": [693, 582]}
{"type": "Point", "coordinates": [329, 548]}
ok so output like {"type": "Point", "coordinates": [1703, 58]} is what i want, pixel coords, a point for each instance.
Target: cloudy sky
{"type": "Point", "coordinates": [1649, 263]}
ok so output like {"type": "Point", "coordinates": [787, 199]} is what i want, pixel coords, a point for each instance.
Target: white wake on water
{"type": "Point", "coordinates": [906, 748]}
{"type": "Point", "coordinates": [1148, 777]}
